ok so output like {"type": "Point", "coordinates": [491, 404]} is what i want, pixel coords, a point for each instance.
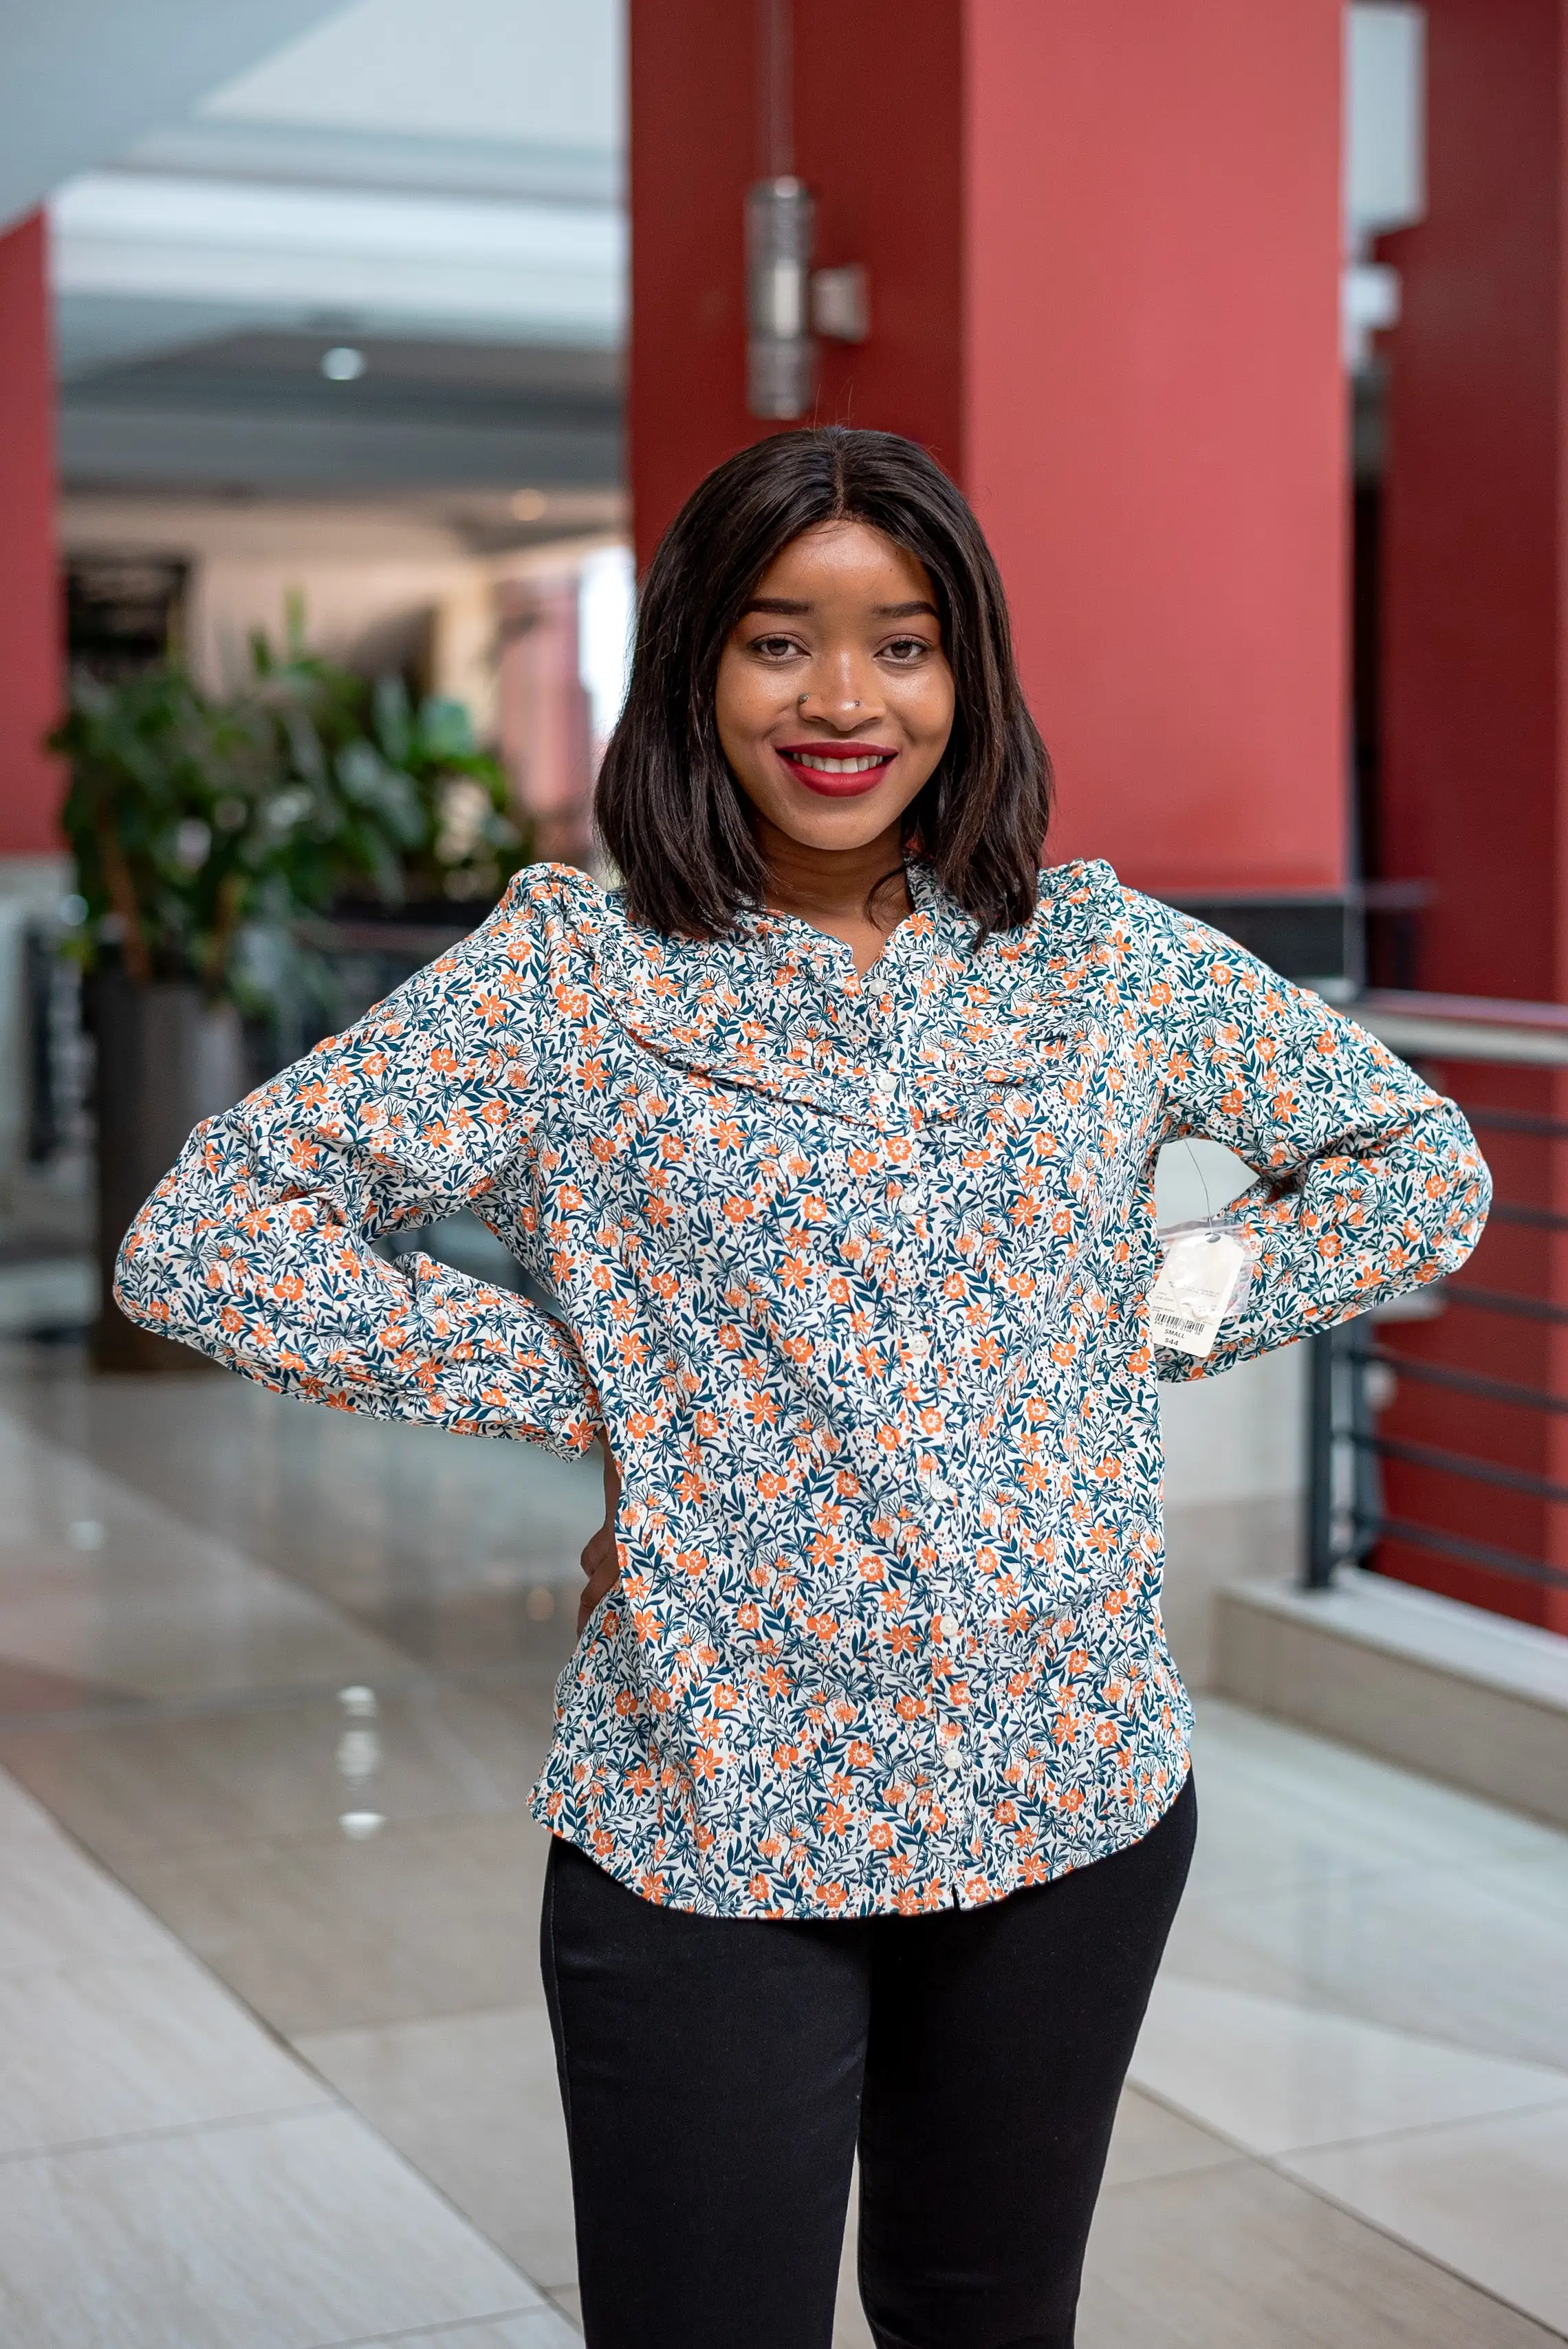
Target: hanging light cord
{"type": "Point", "coordinates": [775, 81]}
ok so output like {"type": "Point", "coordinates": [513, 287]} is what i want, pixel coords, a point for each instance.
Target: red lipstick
{"type": "Point", "coordinates": [837, 770]}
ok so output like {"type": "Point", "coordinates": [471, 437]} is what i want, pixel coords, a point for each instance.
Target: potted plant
{"type": "Point", "coordinates": [206, 833]}
{"type": "Point", "coordinates": [390, 803]}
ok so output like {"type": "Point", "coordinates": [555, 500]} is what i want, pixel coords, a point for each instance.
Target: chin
{"type": "Point", "coordinates": [823, 823]}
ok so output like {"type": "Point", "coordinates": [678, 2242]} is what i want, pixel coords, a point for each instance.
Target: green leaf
{"type": "Point", "coordinates": [393, 718]}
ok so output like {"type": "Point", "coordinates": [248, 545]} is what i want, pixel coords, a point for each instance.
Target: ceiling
{"type": "Point", "coordinates": [433, 184]}
{"type": "Point", "coordinates": [85, 77]}
{"type": "Point", "coordinates": [252, 412]}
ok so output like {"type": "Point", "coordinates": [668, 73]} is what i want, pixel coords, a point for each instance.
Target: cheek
{"type": "Point", "coordinates": [926, 709]}
{"type": "Point", "coordinates": [746, 702]}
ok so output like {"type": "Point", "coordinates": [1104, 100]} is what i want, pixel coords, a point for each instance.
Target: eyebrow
{"type": "Point", "coordinates": [787, 608]}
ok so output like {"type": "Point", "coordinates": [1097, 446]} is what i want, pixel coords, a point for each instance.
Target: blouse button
{"type": "Point", "coordinates": [884, 1083]}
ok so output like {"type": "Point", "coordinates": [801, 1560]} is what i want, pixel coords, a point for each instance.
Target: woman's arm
{"type": "Point", "coordinates": [256, 1248]}
{"type": "Point", "coordinates": [1370, 1183]}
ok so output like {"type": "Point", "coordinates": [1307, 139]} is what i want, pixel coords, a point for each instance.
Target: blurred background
{"type": "Point", "coordinates": [352, 359]}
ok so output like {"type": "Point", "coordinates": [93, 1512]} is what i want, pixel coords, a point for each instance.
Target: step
{"type": "Point", "coordinates": [1449, 1690]}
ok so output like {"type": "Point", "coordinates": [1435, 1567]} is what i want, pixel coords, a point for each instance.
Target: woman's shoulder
{"type": "Point", "coordinates": [1084, 899]}
{"type": "Point", "coordinates": [547, 912]}
{"type": "Point", "coordinates": [1079, 906]}
{"type": "Point", "coordinates": [1091, 938]}
{"type": "Point", "coordinates": [546, 896]}
{"type": "Point", "coordinates": [577, 935]}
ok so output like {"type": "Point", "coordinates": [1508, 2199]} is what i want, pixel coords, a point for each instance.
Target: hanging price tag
{"type": "Point", "coordinates": [1193, 1293]}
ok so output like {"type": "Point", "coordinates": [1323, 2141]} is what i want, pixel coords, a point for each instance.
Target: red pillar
{"type": "Point", "coordinates": [1473, 788]}
{"type": "Point", "coordinates": [30, 651]}
{"type": "Point", "coordinates": [1104, 263]}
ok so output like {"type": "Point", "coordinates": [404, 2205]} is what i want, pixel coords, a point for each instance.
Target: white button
{"type": "Point", "coordinates": [952, 1756]}
{"type": "Point", "coordinates": [884, 1082]}
{"type": "Point", "coordinates": [917, 1346]}
{"type": "Point", "coordinates": [938, 1489]}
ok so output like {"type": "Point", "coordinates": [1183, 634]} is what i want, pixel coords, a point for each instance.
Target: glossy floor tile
{"type": "Point", "coordinates": [320, 1932]}
{"type": "Point", "coordinates": [544, 2328]}
{"type": "Point", "coordinates": [279, 2234]}
{"type": "Point", "coordinates": [170, 2175]}
{"type": "Point", "coordinates": [182, 1782]}
{"type": "Point", "coordinates": [1270, 1791]}
{"type": "Point", "coordinates": [474, 2104]}
{"type": "Point", "coordinates": [1152, 2141]}
{"type": "Point", "coordinates": [58, 1909]}
{"type": "Point", "coordinates": [1488, 2198]}
{"type": "Point", "coordinates": [1241, 2257]}
{"type": "Point", "coordinates": [1274, 2076]}
{"type": "Point", "coordinates": [255, 1632]}
{"type": "Point", "coordinates": [117, 2049]}
{"type": "Point", "coordinates": [22, 1815]}
{"type": "Point", "coordinates": [444, 1543]}
{"type": "Point", "coordinates": [1441, 1952]}
{"type": "Point", "coordinates": [103, 1585]}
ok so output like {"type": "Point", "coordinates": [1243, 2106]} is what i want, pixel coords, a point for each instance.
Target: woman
{"type": "Point", "coordinates": [832, 1133]}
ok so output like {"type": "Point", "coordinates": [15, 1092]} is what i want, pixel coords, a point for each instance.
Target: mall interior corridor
{"type": "Point", "coordinates": [274, 1683]}
{"type": "Point", "coordinates": [357, 359]}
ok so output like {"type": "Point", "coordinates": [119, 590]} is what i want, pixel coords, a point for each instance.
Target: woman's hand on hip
{"type": "Point", "coordinates": [600, 1564]}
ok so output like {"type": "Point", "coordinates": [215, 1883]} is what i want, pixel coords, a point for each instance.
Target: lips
{"type": "Point", "coordinates": [837, 770]}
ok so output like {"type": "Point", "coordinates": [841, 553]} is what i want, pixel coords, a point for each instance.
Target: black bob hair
{"type": "Point", "coordinates": [668, 808]}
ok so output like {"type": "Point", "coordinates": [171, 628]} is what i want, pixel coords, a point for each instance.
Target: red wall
{"type": "Point", "coordinates": [30, 648]}
{"type": "Point", "coordinates": [1103, 254]}
{"type": "Point", "coordinates": [1155, 420]}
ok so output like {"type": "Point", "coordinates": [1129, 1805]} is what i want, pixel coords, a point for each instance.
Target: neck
{"type": "Point", "coordinates": [839, 890]}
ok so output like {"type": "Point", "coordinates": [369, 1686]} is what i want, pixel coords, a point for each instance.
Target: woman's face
{"type": "Point", "coordinates": [834, 699]}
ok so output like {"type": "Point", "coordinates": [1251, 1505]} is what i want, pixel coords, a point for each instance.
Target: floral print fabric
{"type": "Point", "coordinates": [852, 1273]}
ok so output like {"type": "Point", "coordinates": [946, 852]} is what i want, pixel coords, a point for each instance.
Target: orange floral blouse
{"type": "Point", "coordinates": [852, 1273]}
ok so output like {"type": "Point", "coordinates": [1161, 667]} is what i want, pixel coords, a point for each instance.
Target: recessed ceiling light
{"type": "Point", "coordinates": [342, 363]}
{"type": "Point", "coordinates": [530, 505]}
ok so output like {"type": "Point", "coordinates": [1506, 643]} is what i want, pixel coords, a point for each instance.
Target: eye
{"type": "Point", "coordinates": [774, 647]}
{"type": "Point", "coordinates": [904, 651]}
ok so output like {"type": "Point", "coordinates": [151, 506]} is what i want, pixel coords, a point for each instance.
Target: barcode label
{"type": "Point", "coordinates": [1197, 1281]}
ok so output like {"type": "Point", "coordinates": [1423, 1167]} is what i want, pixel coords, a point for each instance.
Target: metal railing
{"type": "Point", "coordinates": [1354, 1368]}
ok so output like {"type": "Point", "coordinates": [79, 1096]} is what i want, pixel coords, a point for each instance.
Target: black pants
{"type": "Point", "coordinates": [717, 2073]}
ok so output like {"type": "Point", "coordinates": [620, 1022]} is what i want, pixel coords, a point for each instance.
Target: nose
{"type": "Point", "coordinates": [842, 692]}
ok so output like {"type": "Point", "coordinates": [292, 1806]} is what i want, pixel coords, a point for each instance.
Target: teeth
{"type": "Point", "coordinates": [829, 766]}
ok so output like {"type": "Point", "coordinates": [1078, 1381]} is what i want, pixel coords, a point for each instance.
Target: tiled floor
{"type": "Point", "coordinates": [273, 2064]}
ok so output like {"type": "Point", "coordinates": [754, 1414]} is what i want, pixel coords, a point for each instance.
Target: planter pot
{"type": "Point", "coordinates": [166, 1059]}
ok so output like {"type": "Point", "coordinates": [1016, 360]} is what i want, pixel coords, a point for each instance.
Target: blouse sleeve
{"type": "Point", "coordinates": [1369, 1183]}
{"type": "Point", "coordinates": [256, 1248]}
